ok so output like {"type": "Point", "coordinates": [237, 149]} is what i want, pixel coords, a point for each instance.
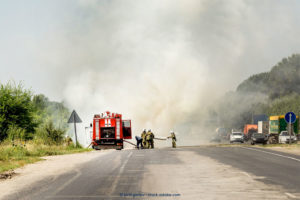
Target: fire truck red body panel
{"type": "Point", "coordinates": [109, 131]}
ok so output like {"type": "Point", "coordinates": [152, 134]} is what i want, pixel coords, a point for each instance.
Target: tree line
{"type": "Point", "coordinates": [272, 93]}
{"type": "Point", "coordinates": [25, 116]}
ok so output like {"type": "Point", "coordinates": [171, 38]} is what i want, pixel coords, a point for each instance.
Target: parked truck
{"type": "Point", "coordinates": [249, 129]}
{"type": "Point", "coordinates": [263, 127]}
{"type": "Point", "coordinates": [278, 124]}
{"type": "Point", "coordinates": [110, 131]}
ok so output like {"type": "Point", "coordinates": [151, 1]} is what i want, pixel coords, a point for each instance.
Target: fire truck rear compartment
{"type": "Point", "coordinates": [108, 132]}
{"type": "Point", "coordinates": [108, 140]}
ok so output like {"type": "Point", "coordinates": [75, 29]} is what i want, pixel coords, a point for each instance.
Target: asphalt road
{"type": "Point", "coordinates": [120, 174]}
{"type": "Point", "coordinates": [112, 176]}
{"type": "Point", "coordinates": [278, 168]}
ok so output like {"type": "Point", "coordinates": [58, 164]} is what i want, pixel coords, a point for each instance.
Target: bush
{"type": "Point", "coordinates": [16, 134]}
{"type": "Point", "coordinates": [49, 134]}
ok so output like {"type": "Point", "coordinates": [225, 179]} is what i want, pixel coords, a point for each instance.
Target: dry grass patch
{"type": "Point", "coordinates": [12, 157]}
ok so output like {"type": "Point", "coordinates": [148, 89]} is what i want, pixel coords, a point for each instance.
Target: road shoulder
{"type": "Point", "coordinates": [51, 166]}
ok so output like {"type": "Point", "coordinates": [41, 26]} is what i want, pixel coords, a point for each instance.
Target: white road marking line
{"type": "Point", "coordinates": [129, 154]}
{"type": "Point", "coordinates": [273, 153]}
{"type": "Point", "coordinates": [68, 182]}
{"type": "Point", "coordinates": [114, 184]}
{"type": "Point", "coordinates": [291, 195]}
{"type": "Point", "coordinates": [252, 177]}
{"type": "Point", "coordinates": [128, 184]}
{"type": "Point", "coordinates": [259, 177]}
{"type": "Point", "coordinates": [246, 174]}
{"type": "Point", "coordinates": [135, 170]}
{"type": "Point", "coordinates": [110, 177]}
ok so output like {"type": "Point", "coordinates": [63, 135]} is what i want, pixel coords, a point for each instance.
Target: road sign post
{"type": "Point", "coordinates": [74, 118]}
{"type": "Point", "coordinates": [290, 118]}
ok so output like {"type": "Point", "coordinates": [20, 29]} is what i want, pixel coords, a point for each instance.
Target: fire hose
{"type": "Point", "coordinates": [160, 138]}
{"type": "Point", "coordinates": [135, 144]}
{"type": "Point", "coordinates": [129, 142]}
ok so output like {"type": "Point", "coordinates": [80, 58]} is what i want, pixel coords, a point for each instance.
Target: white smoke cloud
{"type": "Point", "coordinates": [147, 73]}
{"type": "Point", "coordinates": [159, 63]}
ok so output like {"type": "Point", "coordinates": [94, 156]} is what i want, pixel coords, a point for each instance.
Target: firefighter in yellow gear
{"type": "Point", "coordinates": [173, 136]}
{"type": "Point", "coordinates": [150, 139]}
{"type": "Point", "coordinates": [143, 136]}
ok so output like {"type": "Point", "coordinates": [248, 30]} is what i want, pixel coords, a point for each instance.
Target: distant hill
{"type": "Point", "coordinates": [272, 93]}
{"type": "Point", "coordinates": [282, 80]}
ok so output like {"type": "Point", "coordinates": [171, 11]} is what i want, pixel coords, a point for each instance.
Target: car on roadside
{"type": "Point", "coordinates": [215, 139]}
{"type": "Point", "coordinates": [258, 138]}
{"type": "Point", "coordinates": [237, 137]}
{"type": "Point", "coordinates": [284, 137]}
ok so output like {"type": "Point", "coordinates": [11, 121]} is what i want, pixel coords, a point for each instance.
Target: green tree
{"type": "Point", "coordinates": [56, 111]}
{"type": "Point", "coordinates": [16, 108]}
{"type": "Point", "coordinates": [40, 102]}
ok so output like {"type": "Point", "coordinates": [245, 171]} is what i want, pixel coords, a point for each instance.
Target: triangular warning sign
{"type": "Point", "coordinates": [74, 118]}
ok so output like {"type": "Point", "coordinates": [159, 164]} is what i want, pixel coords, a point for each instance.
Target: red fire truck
{"type": "Point", "coordinates": [109, 131]}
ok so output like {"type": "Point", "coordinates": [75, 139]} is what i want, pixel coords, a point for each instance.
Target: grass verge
{"type": "Point", "coordinates": [286, 148]}
{"type": "Point", "coordinates": [292, 146]}
{"type": "Point", "coordinates": [12, 157]}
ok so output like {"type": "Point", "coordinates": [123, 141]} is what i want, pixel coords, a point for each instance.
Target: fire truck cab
{"type": "Point", "coordinates": [109, 131]}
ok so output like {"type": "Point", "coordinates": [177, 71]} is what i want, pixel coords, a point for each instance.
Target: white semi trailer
{"type": "Point", "coordinates": [263, 127]}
